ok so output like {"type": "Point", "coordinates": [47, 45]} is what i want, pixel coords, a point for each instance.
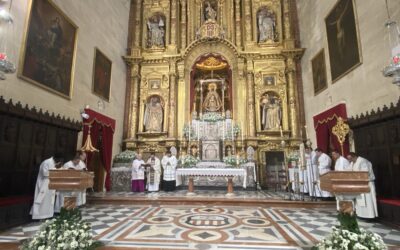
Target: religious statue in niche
{"type": "Point", "coordinates": [209, 12]}
{"type": "Point", "coordinates": [212, 102]}
{"type": "Point", "coordinates": [271, 112]}
{"type": "Point", "coordinates": [153, 115]}
{"type": "Point", "coordinates": [266, 25]}
{"type": "Point", "coordinates": [156, 31]}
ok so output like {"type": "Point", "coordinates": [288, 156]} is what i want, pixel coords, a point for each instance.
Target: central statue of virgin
{"type": "Point", "coordinates": [212, 102]}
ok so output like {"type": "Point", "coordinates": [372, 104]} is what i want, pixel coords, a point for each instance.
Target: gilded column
{"type": "Point", "coordinates": [238, 24]}
{"type": "Point", "coordinates": [248, 22]}
{"type": "Point", "coordinates": [172, 101]}
{"type": "Point", "coordinates": [250, 104]}
{"type": "Point", "coordinates": [287, 27]}
{"type": "Point", "coordinates": [173, 22]}
{"type": "Point", "coordinates": [183, 25]}
{"type": "Point", "coordinates": [137, 29]}
{"type": "Point", "coordinates": [133, 119]}
{"type": "Point", "coordinates": [291, 71]}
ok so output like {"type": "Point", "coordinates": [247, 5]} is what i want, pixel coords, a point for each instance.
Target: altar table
{"type": "Point", "coordinates": [213, 172]}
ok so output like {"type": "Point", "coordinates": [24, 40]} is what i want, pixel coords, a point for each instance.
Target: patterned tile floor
{"type": "Point", "coordinates": [208, 227]}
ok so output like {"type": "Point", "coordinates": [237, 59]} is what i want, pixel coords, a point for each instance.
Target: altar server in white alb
{"type": "Point", "coordinates": [324, 166]}
{"type": "Point", "coordinates": [138, 169]}
{"type": "Point", "coordinates": [43, 203]}
{"type": "Point", "coordinates": [73, 165]}
{"type": "Point", "coordinates": [153, 173]}
{"type": "Point", "coordinates": [169, 163]}
{"type": "Point", "coordinates": [341, 163]}
{"type": "Point", "coordinates": [312, 172]}
{"type": "Point", "coordinates": [82, 165]}
{"type": "Point", "coordinates": [366, 203]}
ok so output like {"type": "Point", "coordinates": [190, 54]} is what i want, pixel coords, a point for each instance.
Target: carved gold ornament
{"type": "Point", "coordinates": [211, 63]}
{"type": "Point", "coordinates": [340, 130]}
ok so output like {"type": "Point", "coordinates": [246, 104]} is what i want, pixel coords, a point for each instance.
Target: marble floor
{"type": "Point", "coordinates": [208, 227]}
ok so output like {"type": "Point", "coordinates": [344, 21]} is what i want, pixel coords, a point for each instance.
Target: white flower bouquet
{"type": "Point", "coordinates": [348, 236]}
{"type": "Point", "coordinates": [67, 231]}
{"type": "Point", "coordinates": [212, 117]}
{"type": "Point", "coordinates": [188, 161]}
{"type": "Point", "coordinates": [234, 160]}
{"type": "Point", "coordinates": [126, 156]}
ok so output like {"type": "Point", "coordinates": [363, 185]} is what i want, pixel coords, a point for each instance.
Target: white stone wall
{"type": "Point", "coordinates": [102, 24]}
{"type": "Point", "coordinates": [362, 89]}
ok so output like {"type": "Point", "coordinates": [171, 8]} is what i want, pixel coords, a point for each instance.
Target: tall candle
{"type": "Point", "coordinates": [223, 130]}
{"type": "Point", "coordinates": [232, 130]}
{"type": "Point", "coordinates": [190, 128]}
{"type": "Point", "coordinates": [305, 127]}
{"type": "Point", "coordinates": [242, 133]}
{"type": "Point", "coordinates": [198, 131]}
{"type": "Point", "coordinates": [280, 127]}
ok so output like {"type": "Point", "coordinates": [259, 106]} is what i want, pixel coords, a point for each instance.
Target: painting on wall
{"type": "Point", "coordinates": [48, 52]}
{"type": "Point", "coordinates": [268, 80]}
{"type": "Point", "coordinates": [343, 42]}
{"type": "Point", "coordinates": [319, 72]}
{"type": "Point", "coordinates": [155, 83]}
{"type": "Point", "coordinates": [102, 75]}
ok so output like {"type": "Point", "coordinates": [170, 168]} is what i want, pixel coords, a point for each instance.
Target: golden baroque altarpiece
{"type": "Point", "coordinates": [232, 59]}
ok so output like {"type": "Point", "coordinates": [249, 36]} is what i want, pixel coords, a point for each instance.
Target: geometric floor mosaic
{"type": "Point", "coordinates": [208, 227]}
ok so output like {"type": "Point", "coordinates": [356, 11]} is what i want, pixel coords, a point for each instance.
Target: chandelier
{"type": "Point", "coordinates": [393, 69]}
{"type": "Point", "coordinates": [7, 41]}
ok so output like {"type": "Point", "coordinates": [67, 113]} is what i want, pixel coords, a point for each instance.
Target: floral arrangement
{"type": "Point", "coordinates": [235, 160]}
{"type": "Point", "coordinates": [348, 236]}
{"type": "Point", "coordinates": [293, 156]}
{"type": "Point", "coordinates": [212, 117]}
{"type": "Point", "coordinates": [188, 161]}
{"type": "Point", "coordinates": [67, 231]}
{"type": "Point", "coordinates": [126, 156]}
{"type": "Point", "coordinates": [186, 131]}
{"type": "Point", "coordinates": [396, 60]}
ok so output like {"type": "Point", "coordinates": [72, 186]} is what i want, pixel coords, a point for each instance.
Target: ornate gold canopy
{"type": "Point", "coordinates": [211, 63]}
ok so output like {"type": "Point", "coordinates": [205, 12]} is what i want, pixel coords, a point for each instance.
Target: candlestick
{"type": "Point", "coordinates": [242, 134]}
{"type": "Point", "coordinates": [232, 130]}
{"type": "Point", "coordinates": [280, 127]}
{"type": "Point", "coordinates": [223, 130]}
{"type": "Point", "coordinates": [305, 127]}
{"type": "Point", "coordinates": [198, 131]}
{"type": "Point", "coordinates": [190, 128]}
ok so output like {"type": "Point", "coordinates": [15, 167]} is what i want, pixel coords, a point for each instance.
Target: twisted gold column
{"type": "Point", "coordinates": [248, 22]}
{"type": "Point", "coordinates": [238, 29]}
{"type": "Point", "coordinates": [173, 23]}
{"type": "Point", "coordinates": [183, 24]}
{"type": "Point", "coordinates": [133, 121]}
{"type": "Point", "coordinates": [250, 104]}
{"type": "Point", "coordinates": [291, 71]}
{"type": "Point", "coordinates": [138, 22]}
{"type": "Point", "coordinates": [172, 104]}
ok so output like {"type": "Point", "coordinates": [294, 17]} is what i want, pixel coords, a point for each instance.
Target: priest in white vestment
{"type": "Point", "coordinates": [153, 173]}
{"type": "Point", "coordinates": [312, 172]}
{"type": "Point", "coordinates": [138, 169]}
{"type": "Point", "coordinates": [169, 163]}
{"type": "Point", "coordinates": [43, 203]}
{"type": "Point", "coordinates": [341, 164]}
{"type": "Point", "coordinates": [74, 164]}
{"type": "Point", "coordinates": [82, 165]}
{"type": "Point", "coordinates": [365, 203]}
{"type": "Point", "coordinates": [324, 166]}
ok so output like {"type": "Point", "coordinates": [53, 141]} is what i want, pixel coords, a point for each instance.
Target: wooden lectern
{"type": "Point", "coordinates": [346, 186]}
{"type": "Point", "coordinates": [70, 180]}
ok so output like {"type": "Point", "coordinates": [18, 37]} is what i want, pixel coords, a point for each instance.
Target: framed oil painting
{"type": "Point", "coordinates": [49, 47]}
{"type": "Point", "coordinates": [101, 75]}
{"type": "Point", "coordinates": [319, 72]}
{"type": "Point", "coordinates": [268, 80]}
{"type": "Point", "coordinates": [343, 39]}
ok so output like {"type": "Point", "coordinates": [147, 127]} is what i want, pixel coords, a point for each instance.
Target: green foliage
{"type": "Point", "coordinates": [67, 231]}
{"type": "Point", "coordinates": [126, 156]}
{"type": "Point", "coordinates": [348, 222]}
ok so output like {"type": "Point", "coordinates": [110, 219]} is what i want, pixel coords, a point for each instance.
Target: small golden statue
{"type": "Point", "coordinates": [212, 102]}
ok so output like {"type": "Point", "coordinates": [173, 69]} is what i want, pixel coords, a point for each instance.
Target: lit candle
{"type": "Point", "coordinates": [232, 130]}
{"type": "Point", "coordinates": [305, 127]}
{"type": "Point", "coordinates": [190, 128]}
{"type": "Point", "coordinates": [242, 133]}
{"type": "Point", "coordinates": [280, 127]}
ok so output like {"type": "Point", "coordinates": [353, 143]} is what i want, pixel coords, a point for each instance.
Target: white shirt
{"type": "Point", "coordinates": [169, 166]}
{"type": "Point", "coordinates": [324, 164]}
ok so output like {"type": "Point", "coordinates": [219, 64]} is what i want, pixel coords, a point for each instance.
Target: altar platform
{"type": "Point", "coordinates": [206, 197]}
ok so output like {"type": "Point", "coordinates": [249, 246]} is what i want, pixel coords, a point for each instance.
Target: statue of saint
{"type": "Point", "coordinates": [153, 115]}
{"type": "Point", "coordinates": [210, 13]}
{"type": "Point", "coordinates": [212, 102]}
{"type": "Point", "coordinates": [155, 32]}
{"type": "Point", "coordinates": [270, 113]}
{"type": "Point", "coordinates": [266, 27]}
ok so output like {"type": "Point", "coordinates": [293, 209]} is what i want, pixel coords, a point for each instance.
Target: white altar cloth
{"type": "Point", "coordinates": [224, 172]}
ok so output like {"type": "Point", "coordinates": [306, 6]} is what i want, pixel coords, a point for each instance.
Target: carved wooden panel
{"type": "Point", "coordinates": [27, 137]}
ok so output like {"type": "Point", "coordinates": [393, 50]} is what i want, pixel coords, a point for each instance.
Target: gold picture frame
{"type": "Point", "coordinates": [343, 39]}
{"type": "Point", "coordinates": [49, 48]}
{"type": "Point", "coordinates": [154, 83]}
{"type": "Point", "coordinates": [101, 79]}
{"type": "Point", "coordinates": [319, 74]}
